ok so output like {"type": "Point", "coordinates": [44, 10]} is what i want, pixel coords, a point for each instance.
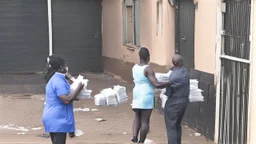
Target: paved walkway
{"type": "Point", "coordinates": [23, 108]}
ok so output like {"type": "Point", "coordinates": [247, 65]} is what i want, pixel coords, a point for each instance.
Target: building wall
{"type": "Point", "coordinates": [161, 47]}
{"type": "Point", "coordinates": [252, 100]}
{"type": "Point", "coordinates": [205, 35]}
{"type": "Point", "coordinates": [119, 58]}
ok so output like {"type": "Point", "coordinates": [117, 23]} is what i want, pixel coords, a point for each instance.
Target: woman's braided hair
{"type": "Point", "coordinates": [55, 63]}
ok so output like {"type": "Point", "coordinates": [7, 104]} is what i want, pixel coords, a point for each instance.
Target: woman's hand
{"type": "Point", "coordinates": [80, 86]}
{"type": "Point", "coordinates": [68, 76]}
{"type": "Point", "coordinates": [150, 74]}
{"type": "Point", "coordinates": [69, 99]}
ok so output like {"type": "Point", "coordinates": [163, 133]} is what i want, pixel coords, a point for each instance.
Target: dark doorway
{"type": "Point", "coordinates": [185, 26]}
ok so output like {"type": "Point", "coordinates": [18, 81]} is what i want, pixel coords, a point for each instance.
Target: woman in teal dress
{"type": "Point", "coordinates": [143, 95]}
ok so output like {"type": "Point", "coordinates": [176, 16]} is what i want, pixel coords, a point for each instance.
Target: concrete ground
{"type": "Point", "coordinates": [21, 105]}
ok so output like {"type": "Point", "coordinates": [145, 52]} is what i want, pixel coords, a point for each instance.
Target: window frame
{"type": "Point", "coordinates": [159, 17]}
{"type": "Point", "coordinates": [136, 23]}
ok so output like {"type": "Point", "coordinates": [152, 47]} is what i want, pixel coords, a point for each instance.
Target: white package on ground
{"type": "Point", "coordinates": [100, 100]}
{"type": "Point", "coordinates": [163, 97]}
{"type": "Point", "coordinates": [85, 93]}
{"type": "Point", "coordinates": [110, 95]}
{"type": "Point", "coordinates": [121, 95]}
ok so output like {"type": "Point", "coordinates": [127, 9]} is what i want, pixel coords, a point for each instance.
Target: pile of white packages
{"type": "Point", "coordinates": [195, 92]}
{"type": "Point", "coordinates": [85, 93]}
{"type": "Point", "coordinates": [111, 97]}
{"type": "Point", "coordinates": [121, 95]}
{"type": "Point", "coordinates": [99, 100]}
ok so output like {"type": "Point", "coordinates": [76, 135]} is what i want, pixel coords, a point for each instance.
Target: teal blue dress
{"type": "Point", "coordinates": [143, 92]}
{"type": "Point", "coordinates": [57, 116]}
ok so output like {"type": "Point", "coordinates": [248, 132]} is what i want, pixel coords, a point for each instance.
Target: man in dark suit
{"type": "Point", "coordinates": [178, 93]}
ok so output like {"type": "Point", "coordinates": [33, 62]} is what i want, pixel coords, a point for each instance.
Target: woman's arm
{"type": "Point", "coordinates": [150, 74]}
{"type": "Point", "coordinates": [69, 99]}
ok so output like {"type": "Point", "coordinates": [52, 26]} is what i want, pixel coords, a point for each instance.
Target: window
{"type": "Point", "coordinates": [159, 17]}
{"type": "Point", "coordinates": [130, 25]}
{"type": "Point", "coordinates": [131, 22]}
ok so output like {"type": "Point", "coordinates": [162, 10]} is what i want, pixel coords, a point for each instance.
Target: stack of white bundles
{"type": "Point", "coordinates": [121, 95]}
{"type": "Point", "coordinates": [195, 92]}
{"type": "Point", "coordinates": [163, 77]}
{"type": "Point", "coordinates": [163, 97]}
{"type": "Point", "coordinates": [110, 95]}
{"type": "Point", "coordinates": [169, 73]}
{"type": "Point", "coordinates": [100, 100]}
{"type": "Point", "coordinates": [85, 93]}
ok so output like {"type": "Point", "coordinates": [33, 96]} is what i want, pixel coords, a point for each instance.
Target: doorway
{"type": "Point", "coordinates": [185, 29]}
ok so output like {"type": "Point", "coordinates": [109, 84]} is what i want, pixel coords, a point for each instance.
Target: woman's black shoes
{"type": "Point", "coordinates": [134, 140]}
{"type": "Point", "coordinates": [72, 134]}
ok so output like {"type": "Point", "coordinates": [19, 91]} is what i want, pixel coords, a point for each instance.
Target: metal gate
{"type": "Point", "coordinates": [23, 36]}
{"type": "Point", "coordinates": [77, 33]}
{"type": "Point", "coordinates": [235, 65]}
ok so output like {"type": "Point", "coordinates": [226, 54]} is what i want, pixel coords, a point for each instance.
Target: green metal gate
{"type": "Point", "coordinates": [235, 67]}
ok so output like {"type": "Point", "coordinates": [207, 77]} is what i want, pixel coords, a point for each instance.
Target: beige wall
{"type": "Point", "coordinates": [111, 29]}
{"type": "Point", "coordinates": [161, 47]}
{"type": "Point", "coordinates": [164, 42]}
{"type": "Point", "coordinates": [205, 35]}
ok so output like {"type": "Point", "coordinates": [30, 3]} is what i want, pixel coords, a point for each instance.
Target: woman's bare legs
{"type": "Point", "coordinates": [136, 125]}
{"type": "Point", "coordinates": [145, 118]}
{"type": "Point", "coordinates": [141, 124]}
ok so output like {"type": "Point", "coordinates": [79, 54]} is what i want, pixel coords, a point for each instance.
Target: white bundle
{"type": "Point", "coordinates": [195, 92]}
{"type": "Point", "coordinates": [100, 100]}
{"type": "Point", "coordinates": [121, 95]}
{"type": "Point", "coordinates": [196, 98]}
{"type": "Point", "coordinates": [110, 96]}
{"type": "Point", "coordinates": [84, 94]}
{"type": "Point", "coordinates": [163, 97]}
{"type": "Point", "coordinates": [193, 81]}
{"type": "Point", "coordinates": [163, 77]}
{"type": "Point", "coordinates": [78, 80]}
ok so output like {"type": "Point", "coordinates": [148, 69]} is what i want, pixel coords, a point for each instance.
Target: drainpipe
{"type": "Point", "coordinates": [218, 71]}
{"type": "Point", "coordinates": [49, 2]}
